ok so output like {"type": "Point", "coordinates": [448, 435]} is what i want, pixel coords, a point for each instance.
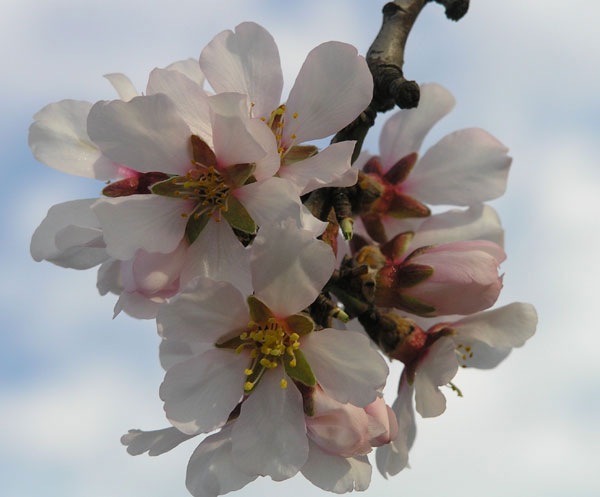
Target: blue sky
{"type": "Point", "coordinates": [72, 380]}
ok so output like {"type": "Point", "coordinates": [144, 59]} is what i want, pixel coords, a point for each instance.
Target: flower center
{"type": "Point", "coordinates": [276, 123]}
{"type": "Point", "coordinates": [207, 187]}
{"type": "Point", "coordinates": [269, 343]}
{"type": "Point", "coordinates": [464, 352]}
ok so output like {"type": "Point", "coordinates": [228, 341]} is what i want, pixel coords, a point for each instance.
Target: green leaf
{"type": "Point", "coordinates": [195, 226]}
{"type": "Point", "coordinates": [237, 216]}
{"type": "Point", "coordinates": [300, 323]}
{"type": "Point", "coordinates": [259, 312]}
{"type": "Point", "coordinates": [301, 371]}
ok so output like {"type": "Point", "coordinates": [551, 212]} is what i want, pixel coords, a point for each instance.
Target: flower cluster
{"type": "Point", "coordinates": [209, 225]}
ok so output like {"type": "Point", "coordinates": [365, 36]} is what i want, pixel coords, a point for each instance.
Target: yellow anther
{"type": "Point", "coordinates": [185, 197]}
{"type": "Point", "coordinates": [290, 351]}
{"type": "Point", "coordinates": [265, 350]}
{"type": "Point", "coordinates": [280, 150]}
{"type": "Point", "coordinates": [283, 383]}
{"type": "Point", "coordinates": [263, 119]}
{"type": "Point", "coordinates": [282, 107]}
{"type": "Point", "coordinates": [275, 352]}
{"type": "Point", "coordinates": [177, 193]}
{"type": "Point", "coordinates": [197, 215]}
{"type": "Point", "coordinates": [265, 363]}
{"type": "Point", "coordinates": [295, 115]}
{"type": "Point", "coordinates": [280, 124]}
{"type": "Point", "coordinates": [278, 137]}
{"type": "Point", "coordinates": [468, 349]}
{"type": "Point", "coordinates": [294, 337]}
{"type": "Point", "coordinates": [293, 136]}
{"type": "Point", "coordinates": [459, 346]}
{"type": "Point", "coordinates": [184, 214]}
{"type": "Point", "coordinates": [248, 386]}
{"type": "Point", "coordinates": [252, 104]}
{"type": "Point", "coordinates": [296, 345]}
{"type": "Point", "coordinates": [243, 336]}
{"type": "Point", "coordinates": [253, 335]}
{"type": "Point", "coordinates": [293, 363]}
{"type": "Point", "coordinates": [248, 372]}
{"type": "Point", "coordinates": [253, 353]}
{"type": "Point", "coordinates": [251, 324]}
{"type": "Point", "coordinates": [239, 349]}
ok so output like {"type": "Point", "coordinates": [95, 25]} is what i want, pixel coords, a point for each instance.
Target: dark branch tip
{"type": "Point", "coordinates": [406, 94]}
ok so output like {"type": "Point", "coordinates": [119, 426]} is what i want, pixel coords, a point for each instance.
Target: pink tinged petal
{"type": "Point", "coordinates": [437, 368]}
{"type": "Point", "coordinates": [122, 85]}
{"type": "Point", "coordinates": [109, 278]}
{"type": "Point", "coordinates": [200, 393]}
{"type": "Point", "coordinates": [204, 313]}
{"type": "Point", "coordinates": [289, 267]}
{"type": "Point", "coordinates": [189, 98]}
{"type": "Point", "coordinates": [247, 62]}
{"type": "Point", "coordinates": [272, 200]}
{"type": "Point", "coordinates": [404, 132]}
{"type": "Point", "coordinates": [137, 305]}
{"type": "Point", "coordinates": [69, 236]}
{"type": "Point", "coordinates": [465, 277]}
{"type": "Point", "coordinates": [333, 87]}
{"type": "Point", "coordinates": [506, 327]}
{"type": "Point", "coordinates": [269, 164]}
{"type": "Point", "coordinates": [335, 473]}
{"type": "Point", "coordinates": [154, 442]}
{"type": "Point", "coordinates": [393, 458]}
{"type": "Point", "coordinates": [464, 168]}
{"type": "Point", "coordinates": [269, 437]}
{"type": "Point", "coordinates": [218, 254]}
{"type": "Point", "coordinates": [149, 222]}
{"type": "Point", "coordinates": [383, 421]}
{"type": "Point", "coordinates": [190, 67]}
{"type": "Point", "coordinates": [156, 272]}
{"type": "Point", "coordinates": [172, 352]}
{"type": "Point", "coordinates": [145, 134]}
{"type": "Point", "coordinates": [211, 470]}
{"type": "Point", "coordinates": [233, 142]}
{"type": "Point", "coordinates": [59, 139]}
{"type": "Point", "coordinates": [479, 222]}
{"type": "Point", "coordinates": [330, 167]}
{"type": "Point", "coordinates": [345, 365]}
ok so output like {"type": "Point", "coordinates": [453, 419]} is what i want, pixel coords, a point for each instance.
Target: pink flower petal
{"type": "Point", "coordinates": [464, 168]}
{"type": "Point", "coordinates": [333, 87]}
{"type": "Point", "coordinates": [404, 132]}
{"type": "Point", "coordinates": [345, 365]}
{"type": "Point", "coordinates": [145, 134]}
{"type": "Point", "coordinates": [147, 222]}
{"type": "Point", "coordinates": [247, 62]}
{"type": "Point", "coordinates": [269, 437]}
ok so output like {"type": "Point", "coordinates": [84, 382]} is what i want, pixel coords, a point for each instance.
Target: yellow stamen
{"type": "Point", "coordinates": [283, 383]}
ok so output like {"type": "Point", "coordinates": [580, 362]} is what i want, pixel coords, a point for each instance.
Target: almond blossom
{"type": "Point", "coordinates": [481, 341]}
{"type": "Point", "coordinates": [262, 352]}
{"type": "Point", "coordinates": [464, 168]}
{"type": "Point", "coordinates": [332, 88]}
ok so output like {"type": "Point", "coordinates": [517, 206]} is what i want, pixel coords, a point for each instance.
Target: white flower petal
{"type": "Point", "coordinates": [345, 365]}
{"type": "Point", "coordinates": [145, 134]}
{"type": "Point", "coordinates": [190, 67]}
{"type": "Point", "coordinates": [335, 473]}
{"type": "Point", "coordinates": [109, 278]}
{"type": "Point", "coordinates": [270, 163]}
{"type": "Point", "coordinates": [138, 306]}
{"type": "Point", "coordinates": [466, 167]}
{"type": "Point", "coordinates": [219, 255]}
{"type": "Point", "coordinates": [437, 368]}
{"type": "Point", "coordinates": [393, 458]}
{"type": "Point", "coordinates": [269, 437]}
{"type": "Point", "coordinates": [211, 470]}
{"type": "Point", "coordinates": [505, 327]}
{"type": "Point", "coordinates": [154, 442]}
{"type": "Point", "coordinates": [479, 222]}
{"type": "Point", "coordinates": [200, 393]}
{"type": "Point", "coordinates": [69, 236]}
{"type": "Point", "coordinates": [476, 354]}
{"type": "Point", "coordinates": [147, 222]}
{"type": "Point", "coordinates": [204, 312]}
{"type": "Point", "coordinates": [173, 352]}
{"type": "Point", "coordinates": [189, 98]}
{"type": "Point", "coordinates": [247, 62]}
{"type": "Point", "coordinates": [233, 142]}
{"type": "Point", "coordinates": [289, 267]}
{"type": "Point", "coordinates": [333, 87]}
{"type": "Point", "coordinates": [330, 167]}
{"type": "Point", "coordinates": [59, 139]}
{"type": "Point", "coordinates": [404, 132]}
{"type": "Point", "coordinates": [122, 85]}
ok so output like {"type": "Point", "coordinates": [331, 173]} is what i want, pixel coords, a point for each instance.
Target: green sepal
{"type": "Point", "coordinates": [301, 371]}
{"type": "Point", "coordinates": [195, 226]}
{"type": "Point", "coordinates": [300, 323]}
{"type": "Point", "coordinates": [409, 275]}
{"type": "Point", "coordinates": [394, 248]}
{"type": "Point", "coordinates": [238, 174]}
{"type": "Point", "coordinates": [259, 312]}
{"type": "Point", "coordinates": [232, 343]}
{"type": "Point", "coordinates": [168, 187]}
{"type": "Point", "coordinates": [414, 306]}
{"type": "Point", "coordinates": [299, 153]}
{"type": "Point", "coordinates": [237, 216]}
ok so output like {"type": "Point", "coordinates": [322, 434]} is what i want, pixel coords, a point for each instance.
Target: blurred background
{"type": "Point", "coordinates": [72, 380]}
